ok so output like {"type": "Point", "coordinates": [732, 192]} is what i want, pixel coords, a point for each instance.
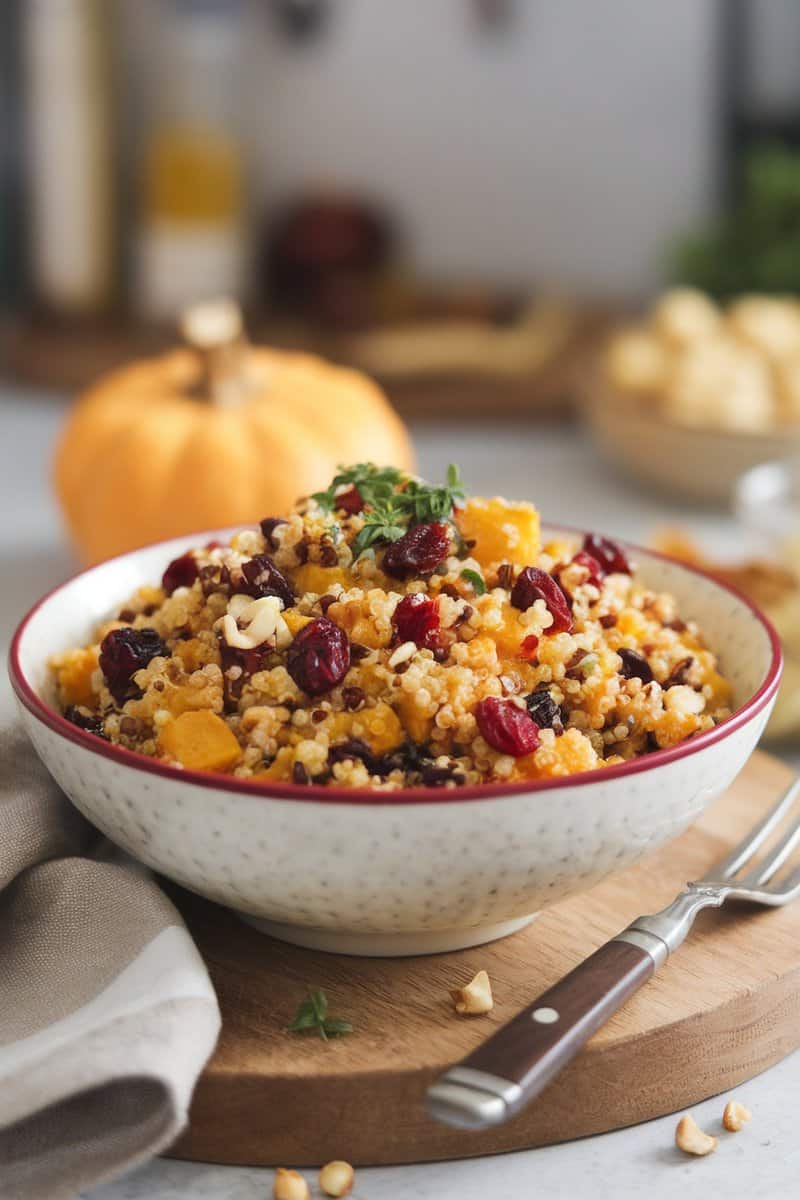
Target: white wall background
{"type": "Point", "coordinates": [571, 147]}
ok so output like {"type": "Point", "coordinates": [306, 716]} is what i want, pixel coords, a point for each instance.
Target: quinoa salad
{"type": "Point", "coordinates": [389, 634]}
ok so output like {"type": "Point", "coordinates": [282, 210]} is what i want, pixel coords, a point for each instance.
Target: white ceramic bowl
{"type": "Point", "coordinates": [389, 873]}
{"type": "Point", "coordinates": [693, 462]}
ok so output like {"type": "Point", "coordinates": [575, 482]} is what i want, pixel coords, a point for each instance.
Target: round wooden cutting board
{"type": "Point", "coordinates": [724, 1008]}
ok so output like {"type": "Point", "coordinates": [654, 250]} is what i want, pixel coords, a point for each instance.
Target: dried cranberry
{"type": "Point", "coordinates": [85, 720]}
{"type": "Point", "coordinates": [611, 557]}
{"type": "Point", "coordinates": [416, 619]}
{"type": "Point", "coordinates": [181, 572]}
{"type": "Point", "coordinates": [597, 572]}
{"type": "Point", "coordinates": [532, 585]}
{"type": "Point", "coordinates": [319, 657]}
{"type": "Point", "coordinates": [529, 646]}
{"type": "Point", "coordinates": [123, 652]}
{"type": "Point", "coordinates": [214, 545]}
{"type": "Point", "coordinates": [417, 552]}
{"type": "Point", "coordinates": [634, 665]}
{"type": "Point", "coordinates": [268, 527]}
{"type": "Point", "coordinates": [507, 728]}
{"type": "Point", "coordinates": [263, 578]}
{"type": "Point", "coordinates": [544, 710]}
{"type": "Point", "coordinates": [351, 501]}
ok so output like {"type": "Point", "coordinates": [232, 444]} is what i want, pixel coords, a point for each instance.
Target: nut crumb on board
{"type": "Point", "coordinates": [336, 1178]}
{"type": "Point", "coordinates": [691, 1139]}
{"type": "Point", "coordinates": [290, 1185]}
{"type": "Point", "coordinates": [735, 1116]}
{"type": "Point", "coordinates": [475, 998]}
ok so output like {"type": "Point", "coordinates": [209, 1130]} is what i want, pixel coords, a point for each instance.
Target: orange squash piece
{"type": "Point", "coordinates": [417, 725]}
{"type": "Point", "coordinates": [295, 620]}
{"type": "Point", "coordinates": [311, 577]}
{"type": "Point", "coordinates": [502, 532]}
{"type": "Point", "coordinates": [200, 741]}
{"type": "Point", "coordinates": [75, 677]}
{"type": "Point", "coordinates": [380, 728]}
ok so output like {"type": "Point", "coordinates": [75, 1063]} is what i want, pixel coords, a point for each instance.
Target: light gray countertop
{"type": "Point", "coordinates": [553, 466]}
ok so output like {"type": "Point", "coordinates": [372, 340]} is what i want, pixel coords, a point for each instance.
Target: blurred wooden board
{"type": "Point", "coordinates": [68, 357]}
{"type": "Point", "coordinates": [723, 1009]}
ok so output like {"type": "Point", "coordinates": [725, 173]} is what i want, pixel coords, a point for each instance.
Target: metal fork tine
{"type": "Point", "coordinates": [790, 885]}
{"type": "Point", "coordinates": [764, 871]}
{"type": "Point", "coordinates": [753, 841]}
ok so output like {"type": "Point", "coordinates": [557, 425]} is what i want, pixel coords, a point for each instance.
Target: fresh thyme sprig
{"type": "Point", "coordinates": [312, 1014]}
{"type": "Point", "coordinates": [374, 484]}
{"type": "Point", "coordinates": [393, 502]}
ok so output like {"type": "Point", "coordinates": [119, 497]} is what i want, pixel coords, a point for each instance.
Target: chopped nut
{"type": "Point", "coordinates": [476, 997]}
{"type": "Point", "coordinates": [290, 1185]}
{"type": "Point", "coordinates": [261, 621]}
{"type": "Point", "coordinates": [336, 1178]}
{"type": "Point", "coordinates": [735, 1116]}
{"type": "Point", "coordinates": [689, 1137]}
{"type": "Point", "coordinates": [403, 653]}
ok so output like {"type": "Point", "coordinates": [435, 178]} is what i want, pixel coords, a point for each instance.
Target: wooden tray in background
{"type": "Point", "coordinates": [69, 357]}
{"type": "Point", "coordinates": [725, 1008]}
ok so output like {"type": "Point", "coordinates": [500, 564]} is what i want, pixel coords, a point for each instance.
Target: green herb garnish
{"type": "Point", "coordinates": [312, 1014]}
{"type": "Point", "coordinates": [393, 502]}
{"type": "Point", "coordinates": [589, 663]}
{"type": "Point", "coordinates": [475, 579]}
{"type": "Point", "coordinates": [374, 483]}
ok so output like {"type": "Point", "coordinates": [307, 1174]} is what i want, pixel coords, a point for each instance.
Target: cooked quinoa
{"type": "Point", "coordinates": [387, 634]}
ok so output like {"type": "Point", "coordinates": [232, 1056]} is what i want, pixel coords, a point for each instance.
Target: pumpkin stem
{"type": "Point", "coordinates": [215, 330]}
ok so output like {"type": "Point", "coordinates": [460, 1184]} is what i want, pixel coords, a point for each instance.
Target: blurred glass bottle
{"type": "Point", "coordinates": [70, 178]}
{"type": "Point", "coordinates": [191, 240]}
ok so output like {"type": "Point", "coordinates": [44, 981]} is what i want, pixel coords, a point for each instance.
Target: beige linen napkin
{"type": "Point", "coordinates": [107, 1014]}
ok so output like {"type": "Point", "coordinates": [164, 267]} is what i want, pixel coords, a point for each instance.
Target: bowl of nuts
{"type": "Point", "coordinates": [694, 396]}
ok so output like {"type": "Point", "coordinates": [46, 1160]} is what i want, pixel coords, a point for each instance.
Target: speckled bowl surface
{"type": "Point", "coordinates": [389, 873]}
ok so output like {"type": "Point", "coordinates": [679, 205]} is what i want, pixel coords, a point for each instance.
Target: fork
{"type": "Point", "coordinates": [509, 1070]}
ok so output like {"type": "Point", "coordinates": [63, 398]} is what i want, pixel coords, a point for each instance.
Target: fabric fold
{"type": "Point", "coordinates": [107, 1013]}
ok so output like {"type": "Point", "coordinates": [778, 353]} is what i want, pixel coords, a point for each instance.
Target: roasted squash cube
{"type": "Point", "coordinates": [295, 620]}
{"type": "Point", "coordinates": [379, 727]}
{"type": "Point", "coordinates": [200, 741]}
{"type": "Point", "coordinates": [74, 673]}
{"type": "Point", "coordinates": [311, 577]}
{"type": "Point", "coordinates": [502, 532]}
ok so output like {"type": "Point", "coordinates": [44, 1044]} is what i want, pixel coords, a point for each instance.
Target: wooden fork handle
{"type": "Point", "coordinates": [510, 1069]}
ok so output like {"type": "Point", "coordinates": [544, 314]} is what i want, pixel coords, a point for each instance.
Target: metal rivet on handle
{"type": "Point", "coordinates": [545, 1016]}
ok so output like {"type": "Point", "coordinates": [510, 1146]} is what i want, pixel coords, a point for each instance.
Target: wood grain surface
{"type": "Point", "coordinates": [723, 1009]}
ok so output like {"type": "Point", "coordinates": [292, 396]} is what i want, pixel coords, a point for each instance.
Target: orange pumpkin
{"type": "Point", "coordinates": [218, 433]}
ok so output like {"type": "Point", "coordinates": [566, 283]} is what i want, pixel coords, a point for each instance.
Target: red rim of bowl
{"type": "Point", "coordinates": [323, 793]}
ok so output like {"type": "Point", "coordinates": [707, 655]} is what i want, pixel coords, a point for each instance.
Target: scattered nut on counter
{"type": "Point", "coordinates": [290, 1185]}
{"type": "Point", "coordinates": [689, 1137]}
{"type": "Point", "coordinates": [476, 997]}
{"type": "Point", "coordinates": [735, 1116]}
{"type": "Point", "coordinates": [336, 1178]}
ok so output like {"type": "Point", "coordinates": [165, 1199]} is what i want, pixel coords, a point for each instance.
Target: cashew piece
{"type": "Point", "coordinates": [689, 1137]}
{"type": "Point", "coordinates": [336, 1178]}
{"type": "Point", "coordinates": [476, 997]}
{"type": "Point", "coordinates": [289, 1185]}
{"type": "Point", "coordinates": [735, 1116]}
